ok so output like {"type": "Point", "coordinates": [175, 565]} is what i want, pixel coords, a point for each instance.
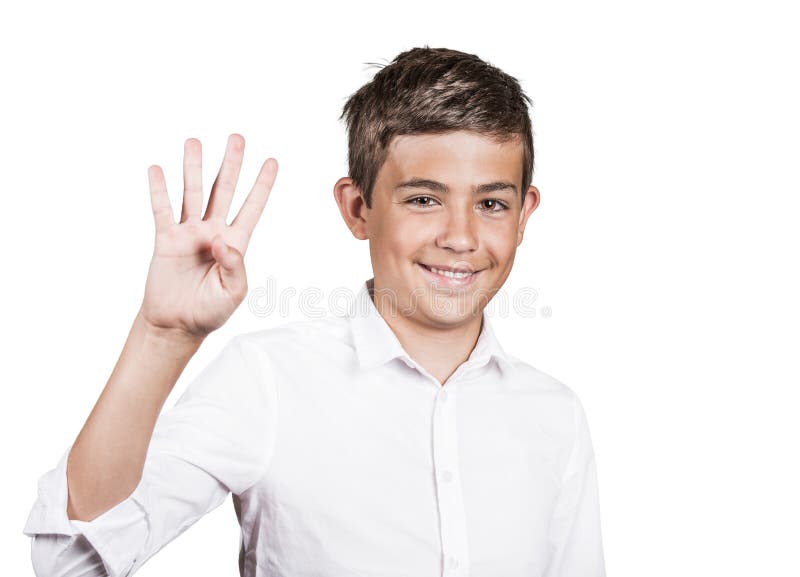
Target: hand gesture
{"type": "Point", "coordinates": [197, 276]}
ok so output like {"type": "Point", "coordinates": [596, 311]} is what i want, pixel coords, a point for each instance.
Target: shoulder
{"type": "Point", "coordinates": [297, 340]}
{"type": "Point", "coordinates": [527, 378]}
{"type": "Point", "coordinates": [548, 394]}
{"type": "Point", "coordinates": [555, 406]}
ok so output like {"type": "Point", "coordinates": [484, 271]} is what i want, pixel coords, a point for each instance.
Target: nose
{"type": "Point", "coordinates": [459, 232]}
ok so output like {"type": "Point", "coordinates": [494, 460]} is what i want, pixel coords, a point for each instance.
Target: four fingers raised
{"type": "Point", "coordinates": [221, 192]}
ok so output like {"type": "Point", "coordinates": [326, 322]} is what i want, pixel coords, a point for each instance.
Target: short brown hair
{"type": "Point", "coordinates": [433, 90]}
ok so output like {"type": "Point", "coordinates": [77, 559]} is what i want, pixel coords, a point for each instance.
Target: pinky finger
{"type": "Point", "coordinates": [162, 210]}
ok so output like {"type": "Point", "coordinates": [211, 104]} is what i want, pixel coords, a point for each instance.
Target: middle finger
{"type": "Point", "coordinates": [225, 184]}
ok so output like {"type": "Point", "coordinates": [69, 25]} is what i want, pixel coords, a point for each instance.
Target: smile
{"type": "Point", "coordinates": [449, 278]}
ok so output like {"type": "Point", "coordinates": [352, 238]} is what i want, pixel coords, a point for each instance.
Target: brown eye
{"type": "Point", "coordinates": [494, 205]}
{"type": "Point", "coordinates": [427, 201]}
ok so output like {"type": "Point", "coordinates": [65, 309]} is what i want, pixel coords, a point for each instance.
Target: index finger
{"type": "Point", "coordinates": [253, 205]}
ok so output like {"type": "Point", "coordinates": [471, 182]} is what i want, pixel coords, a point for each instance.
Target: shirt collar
{"type": "Point", "coordinates": [376, 343]}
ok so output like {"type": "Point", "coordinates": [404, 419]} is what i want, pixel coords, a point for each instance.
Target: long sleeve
{"type": "Point", "coordinates": [576, 544]}
{"type": "Point", "coordinates": [217, 439]}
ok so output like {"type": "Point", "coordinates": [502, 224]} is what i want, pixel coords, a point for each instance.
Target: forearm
{"type": "Point", "coordinates": [107, 459]}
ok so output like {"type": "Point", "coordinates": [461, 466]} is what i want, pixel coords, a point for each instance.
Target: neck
{"type": "Point", "coordinates": [438, 349]}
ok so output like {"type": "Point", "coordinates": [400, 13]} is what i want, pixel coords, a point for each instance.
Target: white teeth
{"type": "Point", "coordinates": [450, 274]}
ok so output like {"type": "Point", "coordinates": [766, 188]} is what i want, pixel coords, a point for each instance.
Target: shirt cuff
{"type": "Point", "coordinates": [117, 535]}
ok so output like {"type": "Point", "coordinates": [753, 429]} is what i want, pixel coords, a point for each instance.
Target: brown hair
{"type": "Point", "coordinates": [433, 90]}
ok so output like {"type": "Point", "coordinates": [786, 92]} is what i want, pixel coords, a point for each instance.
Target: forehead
{"type": "Point", "coordinates": [458, 156]}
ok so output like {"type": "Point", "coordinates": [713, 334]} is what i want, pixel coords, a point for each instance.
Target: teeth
{"type": "Point", "coordinates": [450, 274]}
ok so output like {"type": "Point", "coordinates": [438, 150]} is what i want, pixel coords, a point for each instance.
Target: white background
{"type": "Point", "coordinates": [665, 245]}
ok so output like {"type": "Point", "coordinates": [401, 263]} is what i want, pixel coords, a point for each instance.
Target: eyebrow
{"type": "Point", "coordinates": [499, 186]}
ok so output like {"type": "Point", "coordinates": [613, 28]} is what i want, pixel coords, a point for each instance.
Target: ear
{"type": "Point", "coordinates": [351, 206]}
{"type": "Point", "coordinates": [530, 204]}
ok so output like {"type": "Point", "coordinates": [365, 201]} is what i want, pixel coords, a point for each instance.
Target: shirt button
{"type": "Point", "coordinates": [443, 396]}
{"type": "Point", "coordinates": [452, 562]}
{"type": "Point", "coordinates": [447, 476]}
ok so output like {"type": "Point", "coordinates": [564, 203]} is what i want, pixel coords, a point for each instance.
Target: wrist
{"type": "Point", "coordinates": [166, 336]}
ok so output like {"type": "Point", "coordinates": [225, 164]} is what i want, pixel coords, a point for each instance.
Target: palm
{"type": "Point", "coordinates": [195, 283]}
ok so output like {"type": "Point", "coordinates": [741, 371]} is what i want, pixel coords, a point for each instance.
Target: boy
{"type": "Point", "coordinates": [398, 440]}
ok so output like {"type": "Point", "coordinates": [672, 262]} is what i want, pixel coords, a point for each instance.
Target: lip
{"type": "Point", "coordinates": [448, 268]}
{"type": "Point", "coordinates": [447, 282]}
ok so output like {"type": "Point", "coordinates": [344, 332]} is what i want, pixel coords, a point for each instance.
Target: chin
{"type": "Point", "coordinates": [451, 308]}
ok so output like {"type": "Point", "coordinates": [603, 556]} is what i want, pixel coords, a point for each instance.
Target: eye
{"type": "Point", "coordinates": [428, 201]}
{"type": "Point", "coordinates": [495, 206]}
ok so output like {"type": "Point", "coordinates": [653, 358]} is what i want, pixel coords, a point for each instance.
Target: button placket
{"type": "Point", "coordinates": [448, 487]}
{"type": "Point", "coordinates": [452, 563]}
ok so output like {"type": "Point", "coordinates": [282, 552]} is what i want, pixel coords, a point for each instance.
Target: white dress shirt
{"type": "Point", "coordinates": [347, 458]}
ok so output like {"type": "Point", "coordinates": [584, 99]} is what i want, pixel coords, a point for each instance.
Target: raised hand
{"type": "Point", "coordinates": [197, 276]}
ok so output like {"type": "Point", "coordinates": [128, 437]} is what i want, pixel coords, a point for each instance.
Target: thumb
{"type": "Point", "coordinates": [231, 266]}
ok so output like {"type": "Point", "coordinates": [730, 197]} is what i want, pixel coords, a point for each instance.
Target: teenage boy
{"type": "Point", "coordinates": [397, 440]}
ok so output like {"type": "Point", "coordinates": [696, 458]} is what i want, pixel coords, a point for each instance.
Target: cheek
{"type": "Point", "coordinates": [397, 239]}
{"type": "Point", "coordinates": [500, 240]}
{"type": "Point", "coordinates": [408, 235]}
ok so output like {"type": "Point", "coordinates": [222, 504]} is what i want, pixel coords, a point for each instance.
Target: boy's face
{"type": "Point", "coordinates": [446, 201]}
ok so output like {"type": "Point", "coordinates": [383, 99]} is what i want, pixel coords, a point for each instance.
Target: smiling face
{"type": "Point", "coordinates": [445, 202]}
